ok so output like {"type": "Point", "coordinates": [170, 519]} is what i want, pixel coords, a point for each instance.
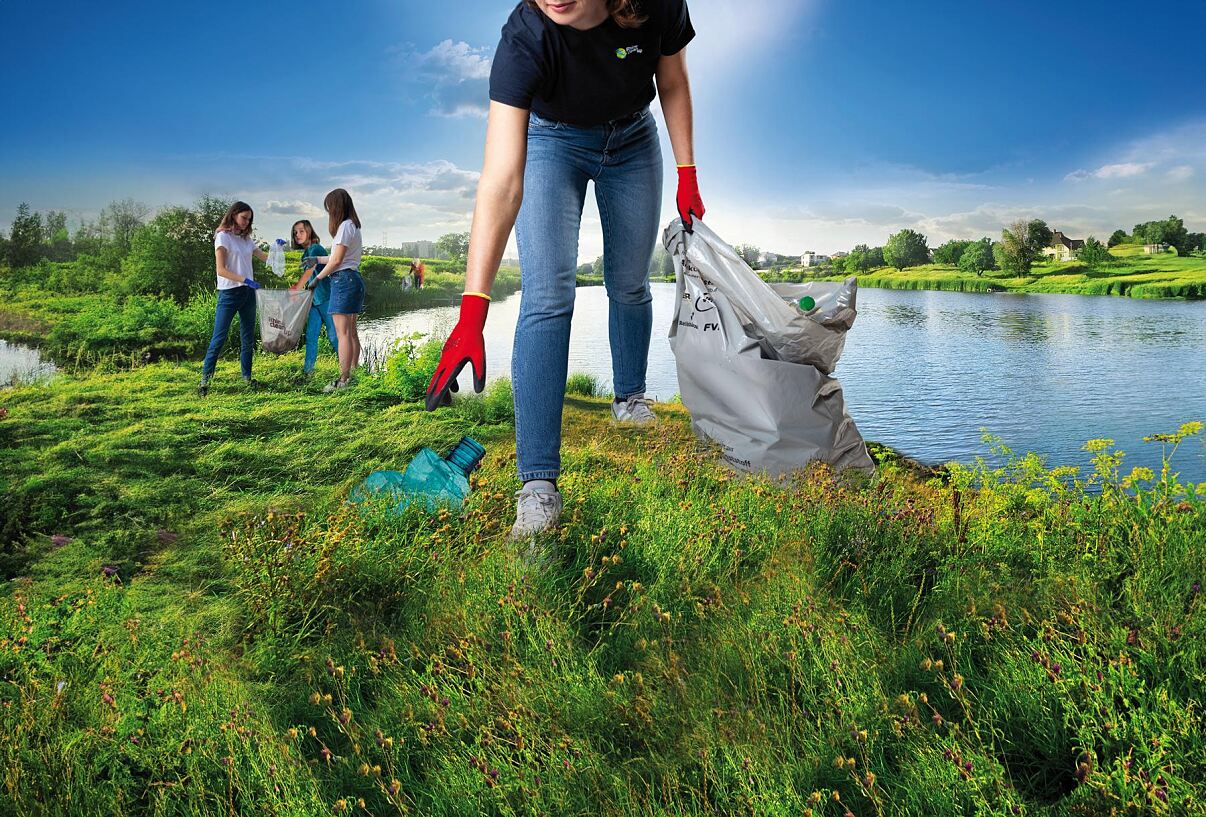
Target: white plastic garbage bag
{"type": "Point", "coordinates": [283, 316]}
{"type": "Point", "coordinates": [752, 367]}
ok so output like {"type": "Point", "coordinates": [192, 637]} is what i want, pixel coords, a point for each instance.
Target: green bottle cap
{"type": "Point", "coordinates": [807, 303]}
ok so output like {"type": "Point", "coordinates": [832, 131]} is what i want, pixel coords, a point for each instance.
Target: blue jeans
{"type": "Point", "coordinates": [319, 317]}
{"type": "Point", "coordinates": [624, 160]}
{"type": "Point", "coordinates": [241, 301]}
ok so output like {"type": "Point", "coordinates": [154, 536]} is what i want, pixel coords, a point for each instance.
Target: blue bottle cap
{"type": "Point", "coordinates": [467, 455]}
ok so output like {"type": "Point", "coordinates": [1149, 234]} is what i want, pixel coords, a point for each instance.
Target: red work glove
{"type": "Point", "coordinates": [688, 200]}
{"type": "Point", "coordinates": [465, 345]}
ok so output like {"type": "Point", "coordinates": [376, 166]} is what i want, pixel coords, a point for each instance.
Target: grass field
{"type": "Point", "coordinates": [196, 623]}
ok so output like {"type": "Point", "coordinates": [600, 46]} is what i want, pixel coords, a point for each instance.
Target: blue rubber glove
{"type": "Point", "coordinates": [313, 282]}
{"type": "Point", "coordinates": [250, 282]}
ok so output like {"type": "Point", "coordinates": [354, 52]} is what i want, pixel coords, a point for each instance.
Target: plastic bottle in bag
{"type": "Point", "coordinates": [276, 257]}
{"type": "Point", "coordinates": [431, 479]}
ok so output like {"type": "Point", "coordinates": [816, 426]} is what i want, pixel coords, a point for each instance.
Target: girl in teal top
{"type": "Point", "coordinates": [305, 239]}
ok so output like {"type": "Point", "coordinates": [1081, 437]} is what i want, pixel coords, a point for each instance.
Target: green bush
{"type": "Point", "coordinates": [586, 385]}
{"type": "Point", "coordinates": [409, 366]}
{"type": "Point", "coordinates": [173, 255]}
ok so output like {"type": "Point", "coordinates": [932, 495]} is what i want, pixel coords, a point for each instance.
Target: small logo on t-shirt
{"type": "Point", "coordinates": [632, 49]}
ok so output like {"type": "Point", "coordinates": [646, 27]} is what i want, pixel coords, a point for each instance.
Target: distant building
{"type": "Point", "coordinates": [771, 259]}
{"type": "Point", "coordinates": [1154, 249]}
{"type": "Point", "coordinates": [814, 259]}
{"type": "Point", "coordinates": [1062, 248]}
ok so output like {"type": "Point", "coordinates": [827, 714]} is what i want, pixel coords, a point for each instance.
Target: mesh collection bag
{"type": "Point", "coordinates": [753, 366]}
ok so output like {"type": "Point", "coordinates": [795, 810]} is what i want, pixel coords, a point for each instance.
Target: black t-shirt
{"type": "Point", "coordinates": [585, 77]}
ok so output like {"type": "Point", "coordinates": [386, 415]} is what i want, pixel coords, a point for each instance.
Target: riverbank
{"type": "Point", "coordinates": [1133, 274]}
{"type": "Point", "coordinates": [103, 327]}
{"type": "Point", "coordinates": [195, 622]}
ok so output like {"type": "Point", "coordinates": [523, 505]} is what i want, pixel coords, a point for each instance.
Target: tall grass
{"type": "Point", "coordinates": [198, 624]}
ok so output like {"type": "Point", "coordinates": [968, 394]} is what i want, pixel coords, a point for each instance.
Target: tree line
{"type": "Point", "coordinates": [1021, 245]}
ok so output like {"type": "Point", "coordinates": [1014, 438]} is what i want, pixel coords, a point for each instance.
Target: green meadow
{"type": "Point", "coordinates": [195, 622]}
{"type": "Point", "coordinates": [1132, 274]}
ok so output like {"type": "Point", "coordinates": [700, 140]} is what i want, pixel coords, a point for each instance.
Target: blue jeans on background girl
{"type": "Point", "coordinates": [241, 301]}
{"type": "Point", "coordinates": [319, 317]}
{"type": "Point", "coordinates": [624, 160]}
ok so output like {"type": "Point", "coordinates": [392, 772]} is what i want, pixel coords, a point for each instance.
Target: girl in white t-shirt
{"type": "Point", "coordinates": [233, 251]}
{"type": "Point", "coordinates": [347, 287]}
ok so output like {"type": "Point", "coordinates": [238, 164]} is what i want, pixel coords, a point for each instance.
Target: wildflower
{"type": "Point", "coordinates": [926, 665]}
{"type": "Point", "coordinates": [316, 699]}
{"type": "Point", "coordinates": [815, 798]}
{"type": "Point", "coordinates": [394, 787]}
{"type": "Point", "coordinates": [58, 540]}
{"type": "Point", "coordinates": [292, 733]}
{"type": "Point", "coordinates": [325, 754]}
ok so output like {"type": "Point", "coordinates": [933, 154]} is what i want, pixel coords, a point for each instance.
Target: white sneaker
{"type": "Point", "coordinates": [538, 509]}
{"type": "Point", "coordinates": [338, 385]}
{"type": "Point", "coordinates": [634, 410]}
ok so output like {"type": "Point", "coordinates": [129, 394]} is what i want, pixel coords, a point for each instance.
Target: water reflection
{"type": "Point", "coordinates": [902, 315]}
{"type": "Point", "coordinates": [21, 364]}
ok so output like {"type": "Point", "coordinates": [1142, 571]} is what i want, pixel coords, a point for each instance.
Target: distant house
{"type": "Point", "coordinates": [839, 255]}
{"type": "Point", "coordinates": [1063, 248]}
{"type": "Point", "coordinates": [813, 259]}
{"type": "Point", "coordinates": [1154, 249]}
{"type": "Point", "coordinates": [772, 259]}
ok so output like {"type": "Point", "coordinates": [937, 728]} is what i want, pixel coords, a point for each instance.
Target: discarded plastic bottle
{"type": "Point", "coordinates": [431, 479]}
{"type": "Point", "coordinates": [276, 257]}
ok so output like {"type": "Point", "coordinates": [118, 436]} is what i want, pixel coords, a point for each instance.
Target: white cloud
{"type": "Point", "coordinates": [301, 209]}
{"type": "Point", "coordinates": [1180, 173]}
{"type": "Point", "coordinates": [1119, 170]}
{"type": "Point", "coordinates": [453, 75]}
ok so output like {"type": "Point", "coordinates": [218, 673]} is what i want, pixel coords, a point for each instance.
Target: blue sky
{"type": "Point", "coordinates": [819, 123]}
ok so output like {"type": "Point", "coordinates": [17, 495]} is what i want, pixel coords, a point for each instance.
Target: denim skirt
{"type": "Point", "coordinates": [347, 293]}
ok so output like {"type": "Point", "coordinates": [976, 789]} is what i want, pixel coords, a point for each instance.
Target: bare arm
{"type": "Point", "coordinates": [332, 260]}
{"type": "Point", "coordinates": [260, 254]}
{"type": "Point", "coordinates": [674, 90]}
{"type": "Point", "coordinates": [499, 194]}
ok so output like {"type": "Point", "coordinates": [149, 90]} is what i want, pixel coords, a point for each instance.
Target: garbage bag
{"type": "Point", "coordinates": [283, 316]}
{"type": "Point", "coordinates": [753, 369]}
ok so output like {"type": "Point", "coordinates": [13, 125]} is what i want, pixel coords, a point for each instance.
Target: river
{"type": "Point", "coordinates": [924, 372]}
